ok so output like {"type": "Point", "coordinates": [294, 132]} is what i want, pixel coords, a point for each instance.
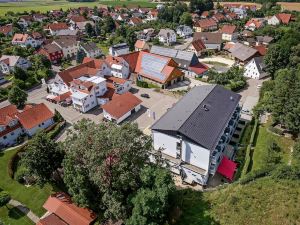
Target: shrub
{"type": "Point", "coordinates": [286, 172]}
{"type": "Point", "coordinates": [21, 174]}
{"type": "Point", "coordinates": [255, 174]}
{"type": "Point", "coordinates": [142, 84]}
{"type": "Point", "coordinates": [13, 162]}
{"type": "Point", "coordinates": [275, 130]}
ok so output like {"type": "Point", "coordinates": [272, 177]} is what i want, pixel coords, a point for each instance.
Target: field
{"type": "Point", "coordinates": [290, 6]}
{"type": "Point", "coordinates": [47, 5]}
{"type": "Point", "coordinates": [245, 3]}
{"type": "Point", "coordinates": [33, 197]}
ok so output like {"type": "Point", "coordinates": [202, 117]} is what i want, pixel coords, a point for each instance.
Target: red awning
{"type": "Point", "coordinates": [227, 168]}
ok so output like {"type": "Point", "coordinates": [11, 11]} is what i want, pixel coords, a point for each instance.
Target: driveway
{"type": "Point", "coordinates": [156, 105]}
{"type": "Point", "coordinates": [251, 89]}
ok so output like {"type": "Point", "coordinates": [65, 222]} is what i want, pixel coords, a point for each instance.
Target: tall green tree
{"type": "Point", "coordinates": [42, 157]}
{"type": "Point", "coordinates": [186, 19]}
{"type": "Point", "coordinates": [89, 30]}
{"type": "Point", "coordinates": [17, 96]}
{"type": "Point", "coordinates": [103, 163]}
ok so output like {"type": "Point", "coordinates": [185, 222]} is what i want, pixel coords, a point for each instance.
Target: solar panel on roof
{"type": "Point", "coordinates": [153, 66]}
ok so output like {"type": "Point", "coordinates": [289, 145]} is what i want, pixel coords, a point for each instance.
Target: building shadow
{"type": "Point", "coordinates": [136, 115]}
{"type": "Point", "coordinates": [17, 212]}
{"type": "Point", "coordinates": [134, 90]}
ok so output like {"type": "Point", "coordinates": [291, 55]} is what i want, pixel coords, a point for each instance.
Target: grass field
{"type": "Point", "coordinates": [33, 197]}
{"type": "Point", "coordinates": [290, 6]}
{"type": "Point", "coordinates": [47, 5]}
{"type": "Point", "coordinates": [263, 138]}
{"type": "Point", "coordinates": [12, 216]}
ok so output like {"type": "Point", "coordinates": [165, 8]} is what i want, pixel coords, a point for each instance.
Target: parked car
{"type": "Point", "coordinates": [145, 96]}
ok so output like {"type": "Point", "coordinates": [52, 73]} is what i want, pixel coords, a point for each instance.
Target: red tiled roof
{"type": "Point", "coordinates": [205, 23]}
{"type": "Point", "coordinates": [139, 44]}
{"type": "Point", "coordinates": [114, 60]}
{"type": "Point", "coordinates": [61, 205]}
{"type": "Point", "coordinates": [77, 19]}
{"type": "Point", "coordinates": [205, 14]}
{"type": "Point", "coordinates": [6, 29]}
{"type": "Point", "coordinates": [284, 17]}
{"type": "Point", "coordinates": [20, 38]}
{"type": "Point", "coordinates": [117, 80]}
{"type": "Point", "coordinates": [198, 45]}
{"type": "Point", "coordinates": [131, 59]}
{"type": "Point", "coordinates": [110, 93]}
{"type": "Point", "coordinates": [34, 116]}
{"type": "Point", "coordinates": [7, 114]}
{"type": "Point", "coordinates": [262, 50]}
{"type": "Point", "coordinates": [52, 219]}
{"type": "Point", "coordinates": [63, 97]}
{"type": "Point", "coordinates": [228, 29]}
{"type": "Point", "coordinates": [257, 23]}
{"type": "Point", "coordinates": [89, 67]}
{"type": "Point", "coordinates": [136, 20]}
{"type": "Point", "coordinates": [199, 68]}
{"type": "Point", "coordinates": [121, 105]}
{"type": "Point", "coordinates": [58, 26]}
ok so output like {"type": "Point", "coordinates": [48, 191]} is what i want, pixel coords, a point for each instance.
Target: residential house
{"type": "Point", "coordinates": [184, 31]}
{"type": "Point", "coordinates": [193, 135]}
{"type": "Point", "coordinates": [262, 50]}
{"type": "Point", "coordinates": [68, 44]}
{"type": "Point", "coordinates": [141, 45]}
{"type": "Point", "coordinates": [229, 33]}
{"type": "Point", "coordinates": [231, 16]}
{"type": "Point", "coordinates": [204, 15]}
{"type": "Point", "coordinates": [255, 68]}
{"type": "Point", "coordinates": [242, 53]}
{"type": "Point", "coordinates": [205, 25]}
{"type": "Point", "coordinates": [121, 107]}
{"type": "Point", "coordinates": [119, 85]}
{"type": "Point", "coordinates": [25, 40]}
{"type": "Point", "coordinates": [134, 21]}
{"type": "Point", "coordinates": [280, 18]}
{"type": "Point", "coordinates": [14, 122]}
{"type": "Point", "coordinates": [156, 69]}
{"type": "Point", "coordinates": [8, 63]}
{"type": "Point", "coordinates": [167, 36]}
{"type": "Point", "coordinates": [152, 15]}
{"type": "Point", "coordinates": [52, 52]}
{"type": "Point", "coordinates": [119, 67]}
{"type": "Point", "coordinates": [212, 41]}
{"type": "Point", "coordinates": [54, 28]}
{"type": "Point", "coordinates": [196, 46]}
{"type": "Point", "coordinates": [7, 29]}
{"type": "Point", "coordinates": [91, 50]}
{"type": "Point", "coordinates": [25, 21]}
{"type": "Point", "coordinates": [146, 34]}
{"type": "Point", "coordinates": [39, 17]}
{"type": "Point", "coordinates": [62, 211]}
{"type": "Point", "coordinates": [254, 24]}
{"type": "Point", "coordinates": [219, 17]}
{"type": "Point", "coordinates": [119, 49]}
{"type": "Point", "coordinates": [263, 40]}
{"type": "Point", "coordinates": [187, 62]}
{"type": "Point", "coordinates": [240, 12]}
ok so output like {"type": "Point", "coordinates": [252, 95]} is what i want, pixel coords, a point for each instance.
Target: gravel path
{"type": "Point", "coordinates": [34, 218]}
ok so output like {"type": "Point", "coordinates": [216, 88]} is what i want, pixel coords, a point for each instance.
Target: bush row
{"type": "Point", "coordinates": [13, 161]}
{"type": "Point", "coordinates": [248, 151]}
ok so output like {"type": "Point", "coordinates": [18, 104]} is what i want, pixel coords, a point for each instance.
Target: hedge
{"type": "Point", "coordinates": [142, 84]}
{"type": "Point", "coordinates": [248, 150]}
{"type": "Point", "coordinates": [13, 161]}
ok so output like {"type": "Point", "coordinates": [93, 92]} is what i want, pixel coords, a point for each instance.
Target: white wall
{"type": "Point", "coordinates": [43, 125]}
{"type": "Point", "coordinates": [191, 153]}
{"type": "Point", "coordinates": [252, 71]}
{"type": "Point", "coordinates": [11, 137]}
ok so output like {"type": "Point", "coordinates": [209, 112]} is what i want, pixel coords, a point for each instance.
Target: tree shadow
{"type": "Point", "coordinates": [16, 213]}
{"type": "Point", "coordinates": [190, 207]}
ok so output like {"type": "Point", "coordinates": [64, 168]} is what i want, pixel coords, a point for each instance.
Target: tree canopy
{"type": "Point", "coordinates": [17, 96]}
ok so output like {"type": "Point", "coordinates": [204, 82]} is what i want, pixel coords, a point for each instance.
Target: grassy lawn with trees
{"type": "Point", "coordinates": [33, 197]}
{"type": "Point", "coordinates": [263, 138]}
{"type": "Point", "coordinates": [47, 5]}
{"type": "Point", "coordinates": [12, 215]}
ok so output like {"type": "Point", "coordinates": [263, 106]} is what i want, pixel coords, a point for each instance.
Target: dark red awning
{"type": "Point", "coordinates": [227, 168]}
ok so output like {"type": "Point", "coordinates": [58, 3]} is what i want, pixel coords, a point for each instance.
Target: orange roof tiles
{"type": "Point", "coordinates": [58, 26]}
{"type": "Point", "coordinates": [121, 105]}
{"type": "Point", "coordinates": [205, 23]}
{"type": "Point", "coordinates": [284, 17]}
{"type": "Point", "coordinates": [61, 205]}
{"type": "Point", "coordinates": [7, 114]}
{"type": "Point", "coordinates": [262, 50]}
{"type": "Point", "coordinates": [34, 116]}
{"type": "Point", "coordinates": [6, 29]}
{"type": "Point", "coordinates": [52, 219]}
{"type": "Point", "coordinates": [139, 44]}
{"type": "Point", "coordinates": [198, 45]}
{"type": "Point", "coordinates": [228, 29]}
{"type": "Point", "coordinates": [20, 38]}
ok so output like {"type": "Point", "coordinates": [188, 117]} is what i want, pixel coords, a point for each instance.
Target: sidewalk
{"type": "Point", "coordinates": [34, 218]}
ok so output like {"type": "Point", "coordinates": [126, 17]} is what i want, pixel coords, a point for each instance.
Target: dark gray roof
{"type": "Point", "coordinates": [119, 46]}
{"type": "Point", "coordinates": [259, 61]}
{"type": "Point", "coordinates": [90, 46]}
{"type": "Point", "coordinates": [265, 39]}
{"type": "Point", "coordinates": [242, 52]}
{"type": "Point", "coordinates": [190, 118]}
{"type": "Point", "coordinates": [183, 58]}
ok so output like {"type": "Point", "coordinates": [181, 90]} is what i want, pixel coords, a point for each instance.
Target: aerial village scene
{"type": "Point", "coordinates": [149, 112]}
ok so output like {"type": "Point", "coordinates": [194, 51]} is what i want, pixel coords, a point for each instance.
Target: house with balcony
{"type": "Point", "coordinates": [118, 67]}
{"type": "Point", "coordinates": [69, 46]}
{"type": "Point", "coordinates": [8, 63]}
{"type": "Point", "coordinates": [24, 40]}
{"type": "Point", "coordinates": [167, 36]}
{"type": "Point", "coordinates": [193, 135]}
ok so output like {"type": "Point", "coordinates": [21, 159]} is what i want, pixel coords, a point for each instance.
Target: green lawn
{"type": "Point", "coordinates": [47, 5]}
{"type": "Point", "coordinates": [262, 202]}
{"type": "Point", "coordinates": [262, 140]}
{"type": "Point", "coordinates": [33, 197]}
{"type": "Point", "coordinates": [13, 216]}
